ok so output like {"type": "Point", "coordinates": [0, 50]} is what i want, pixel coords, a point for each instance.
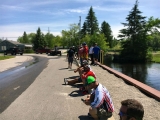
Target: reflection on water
{"type": "Point", "coordinates": [146, 73]}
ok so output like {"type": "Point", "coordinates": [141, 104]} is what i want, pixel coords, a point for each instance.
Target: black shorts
{"type": "Point", "coordinates": [96, 56]}
{"type": "Point", "coordinates": [70, 59]}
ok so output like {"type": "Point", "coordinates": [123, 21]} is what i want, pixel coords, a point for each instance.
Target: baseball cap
{"type": "Point", "coordinates": [89, 80]}
{"type": "Point", "coordinates": [84, 43]}
{"type": "Point", "coordinates": [85, 62]}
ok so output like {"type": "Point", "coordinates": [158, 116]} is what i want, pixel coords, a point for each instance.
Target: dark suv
{"type": "Point", "coordinates": [13, 51]}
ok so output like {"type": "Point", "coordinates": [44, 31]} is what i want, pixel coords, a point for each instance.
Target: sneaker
{"type": "Point", "coordinates": [65, 81]}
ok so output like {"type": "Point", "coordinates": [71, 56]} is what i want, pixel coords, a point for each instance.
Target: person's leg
{"type": "Point", "coordinates": [68, 63]}
{"type": "Point", "coordinates": [72, 82]}
{"type": "Point", "coordinates": [71, 63]}
{"type": "Point", "coordinates": [94, 58]}
{"type": "Point", "coordinates": [93, 113]}
{"type": "Point", "coordinates": [92, 61]}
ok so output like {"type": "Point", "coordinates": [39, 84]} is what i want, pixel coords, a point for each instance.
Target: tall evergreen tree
{"type": "Point", "coordinates": [25, 38]}
{"type": "Point", "coordinates": [39, 41]}
{"type": "Point", "coordinates": [84, 30]}
{"type": "Point", "coordinates": [106, 30]}
{"type": "Point", "coordinates": [91, 22]}
{"type": "Point", "coordinates": [134, 48]}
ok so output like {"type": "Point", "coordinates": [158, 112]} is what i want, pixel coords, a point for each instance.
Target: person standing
{"type": "Point", "coordinates": [70, 56]}
{"type": "Point", "coordinates": [131, 109]}
{"type": "Point", "coordinates": [80, 55]}
{"type": "Point", "coordinates": [96, 52]}
{"type": "Point", "coordinates": [85, 51]}
{"type": "Point", "coordinates": [99, 100]}
{"type": "Point", "coordinates": [91, 54]}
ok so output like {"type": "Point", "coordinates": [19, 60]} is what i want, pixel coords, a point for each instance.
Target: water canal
{"type": "Point", "coordinates": [147, 73]}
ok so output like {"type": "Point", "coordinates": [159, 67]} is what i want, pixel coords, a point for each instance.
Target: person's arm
{"type": "Point", "coordinates": [87, 100]}
{"type": "Point", "coordinates": [97, 100]}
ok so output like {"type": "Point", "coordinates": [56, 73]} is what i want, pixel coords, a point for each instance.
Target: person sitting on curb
{"type": "Point", "coordinates": [131, 109]}
{"type": "Point", "coordinates": [80, 69]}
{"type": "Point", "coordinates": [99, 100]}
{"type": "Point", "coordinates": [83, 75]}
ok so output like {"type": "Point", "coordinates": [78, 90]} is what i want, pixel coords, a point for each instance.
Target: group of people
{"type": "Point", "coordinates": [83, 53]}
{"type": "Point", "coordinates": [98, 97]}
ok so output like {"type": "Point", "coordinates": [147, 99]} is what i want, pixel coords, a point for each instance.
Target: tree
{"type": "Point", "coordinates": [106, 30]}
{"type": "Point", "coordinates": [71, 37]}
{"type": "Point", "coordinates": [39, 41]}
{"type": "Point", "coordinates": [96, 38]}
{"type": "Point", "coordinates": [134, 46]}
{"type": "Point", "coordinates": [84, 30]}
{"type": "Point", "coordinates": [91, 22]}
{"type": "Point", "coordinates": [25, 38]}
{"type": "Point", "coordinates": [50, 40]}
{"type": "Point", "coordinates": [31, 37]}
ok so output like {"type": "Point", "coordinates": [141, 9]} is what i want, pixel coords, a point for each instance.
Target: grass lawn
{"type": "Point", "coordinates": [156, 58]}
{"type": "Point", "coordinates": [2, 57]}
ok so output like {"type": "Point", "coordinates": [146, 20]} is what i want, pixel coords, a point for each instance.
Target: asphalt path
{"type": "Point", "coordinates": [40, 93]}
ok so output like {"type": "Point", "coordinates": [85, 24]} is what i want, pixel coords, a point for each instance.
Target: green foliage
{"type": "Point", "coordinates": [39, 40]}
{"type": "Point", "coordinates": [25, 38]}
{"type": "Point", "coordinates": [106, 30]}
{"type": "Point", "coordinates": [70, 37]}
{"type": "Point", "coordinates": [156, 58]}
{"type": "Point", "coordinates": [84, 30]}
{"type": "Point", "coordinates": [91, 23]}
{"type": "Point", "coordinates": [134, 48]}
{"type": "Point", "coordinates": [96, 38]}
{"type": "Point", "coordinates": [49, 39]}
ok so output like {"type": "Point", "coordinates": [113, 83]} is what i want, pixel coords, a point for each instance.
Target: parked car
{"type": "Point", "coordinates": [13, 51]}
{"type": "Point", "coordinates": [43, 50]}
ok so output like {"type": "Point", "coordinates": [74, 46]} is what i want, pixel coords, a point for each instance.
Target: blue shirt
{"type": "Point", "coordinates": [96, 50]}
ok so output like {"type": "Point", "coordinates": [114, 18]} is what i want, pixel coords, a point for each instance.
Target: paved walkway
{"type": "Point", "coordinates": [48, 99]}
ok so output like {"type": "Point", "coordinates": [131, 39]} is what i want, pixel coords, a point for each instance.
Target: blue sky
{"type": "Point", "coordinates": [17, 16]}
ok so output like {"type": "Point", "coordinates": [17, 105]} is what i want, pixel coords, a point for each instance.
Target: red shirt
{"type": "Point", "coordinates": [85, 52]}
{"type": "Point", "coordinates": [89, 73]}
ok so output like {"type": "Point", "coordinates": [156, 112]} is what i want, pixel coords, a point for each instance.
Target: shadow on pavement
{"type": "Point", "coordinates": [76, 93]}
{"type": "Point", "coordinates": [63, 68]}
{"type": "Point", "coordinates": [85, 117]}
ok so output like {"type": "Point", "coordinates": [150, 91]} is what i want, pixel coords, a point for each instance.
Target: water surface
{"type": "Point", "coordinates": [147, 73]}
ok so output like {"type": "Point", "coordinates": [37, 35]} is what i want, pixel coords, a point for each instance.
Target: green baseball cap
{"type": "Point", "coordinates": [89, 80]}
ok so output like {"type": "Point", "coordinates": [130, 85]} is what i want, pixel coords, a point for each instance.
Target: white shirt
{"type": "Point", "coordinates": [91, 50]}
{"type": "Point", "coordinates": [102, 95]}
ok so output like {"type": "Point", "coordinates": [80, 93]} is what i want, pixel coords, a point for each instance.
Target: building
{"type": "Point", "coordinates": [6, 44]}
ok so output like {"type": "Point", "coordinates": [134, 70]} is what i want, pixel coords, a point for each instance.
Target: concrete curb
{"type": "Point", "coordinates": [145, 88]}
